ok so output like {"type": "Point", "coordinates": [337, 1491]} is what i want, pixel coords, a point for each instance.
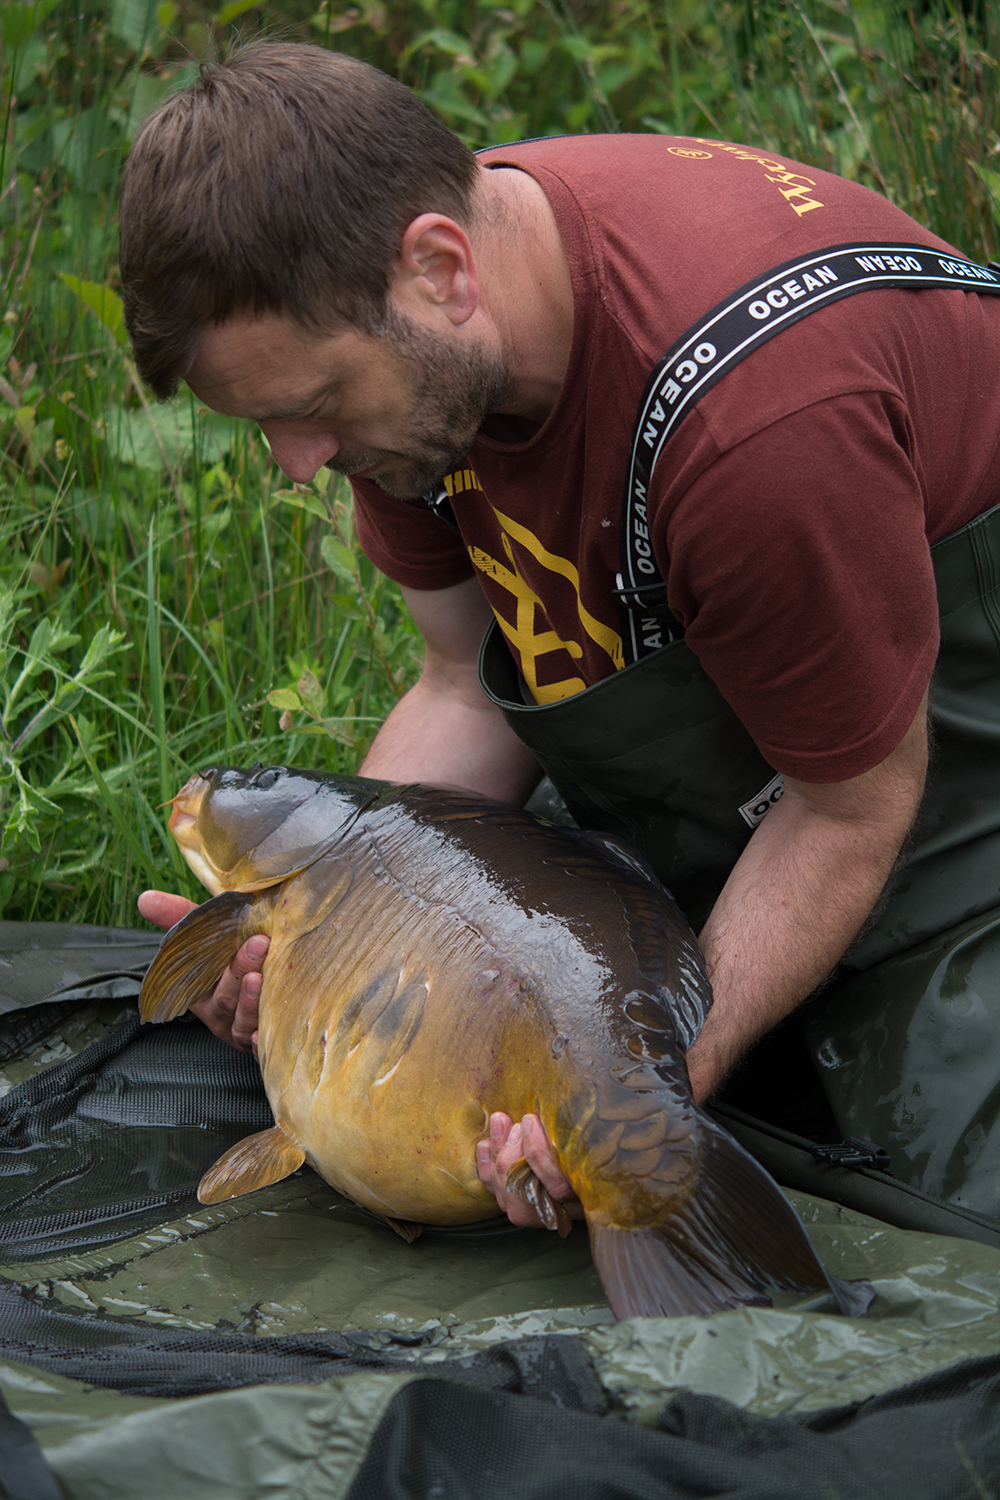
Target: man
{"type": "Point", "coordinates": [310, 250]}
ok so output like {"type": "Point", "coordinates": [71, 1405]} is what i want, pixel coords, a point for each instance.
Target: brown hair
{"type": "Point", "coordinates": [281, 181]}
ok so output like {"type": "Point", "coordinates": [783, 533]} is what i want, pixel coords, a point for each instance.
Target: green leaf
{"type": "Point", "coordinates": [160, 436]}
{"type": "Point", "coordinates": [31, 805]}
{"type": "Point", "coordinates": [312, 503]}
{"type": "Point", "coordinates": [991, 180]}
{"type": "Point", "coordinates": [107, 642]}
{"type": "Point", "coordinates": [134, 21]}
{"type": "Point", "coordinates": [41, 440]}
{"type": "Point", "coordinates": [284, 698]}
{"type": "Point", "coordinates": [235, 8]}
{"type": "Point", "coordinates": [311, 693]}
{"type": "Point", "coordinates": [17, 22]}
{"type": "Point", "coordinates": [117, 818]}
{"type": "Point", "coordinates": [50, 639]}
{"type": "Point", "coordinates": [339, 559]}
{"type": "Point", "coordinates": [101, 300]}
{"type": "Point", "coordinates": [10, 613]}
{"type": "Point", "coordinates": [24, 421]}
{"type": "Point", "coordinates": [147, 89]}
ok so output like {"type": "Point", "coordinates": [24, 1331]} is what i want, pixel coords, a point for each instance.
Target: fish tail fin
{"type": "Point", "coordinates": [252, 1163]}
{"type": "Point", "coordinates": [194, 954]}
{"type": "Point", "coordinates": [728, 1241]}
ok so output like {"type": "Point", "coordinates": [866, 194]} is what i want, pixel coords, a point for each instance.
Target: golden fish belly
{"type": "Point", "coordinates": [386, 1042]}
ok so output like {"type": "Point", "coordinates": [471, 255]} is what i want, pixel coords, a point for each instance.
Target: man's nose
{"type": "Point", "coordinates": [299, 458]}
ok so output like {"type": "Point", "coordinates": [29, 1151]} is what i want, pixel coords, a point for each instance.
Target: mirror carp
{"type": "Point", "coordinates": [436, 956]}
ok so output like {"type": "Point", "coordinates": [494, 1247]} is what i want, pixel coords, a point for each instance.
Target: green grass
{"type": "Point", "coordinates": [165, 600]}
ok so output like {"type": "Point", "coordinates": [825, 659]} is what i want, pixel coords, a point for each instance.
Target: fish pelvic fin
{"type": "Point", "coordinates": [407, 1229]}
{"type": "Point", "coordinates": [728, 1242]}
{"type": "Point", "coordinates": [523, 1181]}
{"type": "Point", "coordinates": [253, 1163]}
{"type": "Point", "coordinates": [195, 952]}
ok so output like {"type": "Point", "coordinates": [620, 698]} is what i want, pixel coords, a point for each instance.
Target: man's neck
{"type": "Point", "coordinates": [527, 293]}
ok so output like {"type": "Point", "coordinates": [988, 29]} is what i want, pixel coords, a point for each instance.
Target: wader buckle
{"type": "Point", "coordinates": [856, 1151]}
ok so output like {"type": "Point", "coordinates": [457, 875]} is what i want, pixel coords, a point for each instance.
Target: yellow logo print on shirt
{"type": "Point", "coordinates": [525, 640]}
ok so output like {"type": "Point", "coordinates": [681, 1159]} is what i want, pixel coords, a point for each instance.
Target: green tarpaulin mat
{"type": "Point", "coordinates": [287, 1345]}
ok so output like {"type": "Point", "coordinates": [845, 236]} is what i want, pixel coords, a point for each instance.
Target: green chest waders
{"type": "Point", "coordinates": [907, 1039]}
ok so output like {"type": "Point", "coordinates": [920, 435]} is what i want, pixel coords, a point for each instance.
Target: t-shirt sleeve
{"type": "Point", "coordinates": [800, 568]}
{"type": "Point", "coordinates": [406, 541]}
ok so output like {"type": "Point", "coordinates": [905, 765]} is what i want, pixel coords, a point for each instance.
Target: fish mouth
{"type": "Point", "coordinates": [187, 805]}
{"type": "Point", "coordinates": [183, 824]}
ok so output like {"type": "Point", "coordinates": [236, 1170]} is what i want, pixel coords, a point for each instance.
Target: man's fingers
{"type": "Point", "coordinates": [231, 1010]}
{"type": "Point", "coordinates": [541, 1158]}
{"type": "Point", "coordinates": [247, 1012]}
{"type": "Point", "coordinates": [164, 908]}
{"type": "Point", "coordinates": [506, 1144]}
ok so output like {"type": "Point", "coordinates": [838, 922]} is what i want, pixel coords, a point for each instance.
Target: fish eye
{"type": "Point", "coordinates": [267, 779]}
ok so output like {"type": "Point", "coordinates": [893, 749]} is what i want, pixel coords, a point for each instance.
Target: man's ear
{"type": "Point", "coordinates": [436, 269]}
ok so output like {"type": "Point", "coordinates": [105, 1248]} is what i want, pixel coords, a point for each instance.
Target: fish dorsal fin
{"type": "Point", "coordinates": [253, 1163]}
{"type": "Point", "coordinates": [195, 952]}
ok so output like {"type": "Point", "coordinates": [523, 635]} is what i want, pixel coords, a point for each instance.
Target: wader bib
{"type": "Point", "coordinates": [907, 1038]}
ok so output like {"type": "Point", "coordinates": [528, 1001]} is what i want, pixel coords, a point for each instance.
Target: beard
{"type": "Point", "coordinates": [455, 387]}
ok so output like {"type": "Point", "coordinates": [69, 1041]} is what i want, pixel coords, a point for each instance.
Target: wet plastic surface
{"type": "Point", "coordinates": [297, 1258]}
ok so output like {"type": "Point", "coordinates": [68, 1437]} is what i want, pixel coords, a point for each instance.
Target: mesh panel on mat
{"type": "Point", "coordinates": [84, 1156]}
{"type": "Point", "coordinates": [174, 1362]}
{"type": "Point", "coordinates": [936, 1440]}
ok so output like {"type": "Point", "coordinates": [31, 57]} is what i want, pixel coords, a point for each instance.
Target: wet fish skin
{"type": "Point", "coordinates": [435, 957]}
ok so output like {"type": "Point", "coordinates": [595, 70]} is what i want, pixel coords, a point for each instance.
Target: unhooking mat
{"type": "Point", "coordinates": [287, 1345]}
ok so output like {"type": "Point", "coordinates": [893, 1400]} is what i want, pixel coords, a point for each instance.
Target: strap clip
{"type": "Point", "coordinates": [856, 1151]}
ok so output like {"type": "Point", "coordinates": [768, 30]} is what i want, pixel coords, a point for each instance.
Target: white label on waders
{"type": "Point", "coordinates": [757, 809]}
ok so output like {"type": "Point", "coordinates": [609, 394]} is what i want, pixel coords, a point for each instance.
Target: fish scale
{"type": "Point", "coordinates": [436, 957]}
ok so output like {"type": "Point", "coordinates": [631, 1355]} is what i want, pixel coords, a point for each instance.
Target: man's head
{"type": "Point", "coordinates": [401, 409]}
{"type": "Point", "coordinates": [281, 182]}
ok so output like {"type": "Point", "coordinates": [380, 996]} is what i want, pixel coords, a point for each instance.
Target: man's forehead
{"type": "Point", "coordinates": [270, 364]}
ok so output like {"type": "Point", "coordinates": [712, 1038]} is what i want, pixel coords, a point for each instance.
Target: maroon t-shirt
{"type": "Point", "coordinates": [792, 510]}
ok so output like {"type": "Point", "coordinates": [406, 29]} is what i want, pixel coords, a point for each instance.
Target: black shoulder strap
{"type": "Point", "coordinates": [714, 345]}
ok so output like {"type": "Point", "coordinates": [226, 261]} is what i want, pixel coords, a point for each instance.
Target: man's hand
{"type": "Point", "coordinates": [231, 1009]}
{"type": "Point", "coordinates": [507, 1143]}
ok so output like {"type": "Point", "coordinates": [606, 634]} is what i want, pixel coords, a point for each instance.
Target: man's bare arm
{"type": "Point", "coordinates": [796, 899]}
{"type": "Point", "coordinates": [445, 730]}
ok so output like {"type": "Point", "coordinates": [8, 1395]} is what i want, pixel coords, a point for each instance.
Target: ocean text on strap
{"type": "Point", "coordinates": [717, 343]}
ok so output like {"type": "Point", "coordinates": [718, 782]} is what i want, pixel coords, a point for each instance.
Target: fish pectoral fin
{"type": "Point", "coordinates": [523, 1182]}
{"type": "Point", "coordinates": [194, 954]}
{"type": "Point", "coordinates": [726, 1239]}
{"type": "Point", "coordinates": [407, 1229]}
{"type": "Point", "coordinates": [253, 1163]}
